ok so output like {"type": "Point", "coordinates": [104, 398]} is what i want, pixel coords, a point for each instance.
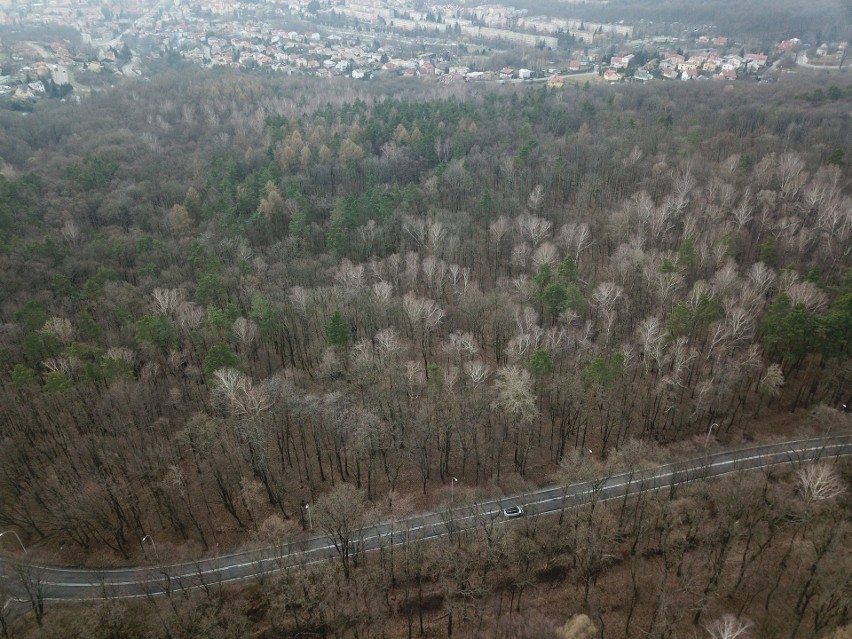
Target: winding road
{"type": "Point", "coordinates": [54, 583]}
{"type": "Point", "coordinates": [802, 61]}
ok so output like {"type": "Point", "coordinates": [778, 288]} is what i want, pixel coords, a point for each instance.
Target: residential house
{"type": "Point", "coordinates": [732, 63]}
{"type": "Point", "coordinates": [574, 65]}
{"type": "Point", "coordinates": [669, 73]}
{"type": "Point", "coordinates": [720, 41]}
{"type": "Point", "coordinates": [714, 57]}
{"type": "Point", "coordinates": [506, 73]}
{"type": "Point", "coordinates": [451, 78]}
{"type": "Point", "coordinates": [618, 62]}
{"type": "Point", "coordinates": [689, 74]}
{"type": "Point", "coordinates": [611, 75]}
{"type": "Point", "coordinates": [789, 45]}
{"type": "Point", "coordinates": [525, 74]}
{"type": "Point", "coordinates": [757, 58]}
{"type": "Point", "coordinates": [643, 75]}
{"type": "Point", "coordinates": [555, 82]}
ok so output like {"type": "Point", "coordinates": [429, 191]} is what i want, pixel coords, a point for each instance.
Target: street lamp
{"type": "Point", "coordinates": [16, 537]}
{"type": "Point", "coordinates": [709, 430]}
{"type": "Point", "coordinates": [310, 520]}
{"type": "Point", "coordinates": [153, 545]}
{"type": "Point", "coordinates": [452, 489]}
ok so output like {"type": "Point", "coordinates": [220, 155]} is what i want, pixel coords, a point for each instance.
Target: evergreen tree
{"type": "Point", "coordinates": [336, 331]}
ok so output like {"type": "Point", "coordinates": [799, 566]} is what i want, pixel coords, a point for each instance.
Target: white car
{"type": "Point", "coordinates": [512, 512]}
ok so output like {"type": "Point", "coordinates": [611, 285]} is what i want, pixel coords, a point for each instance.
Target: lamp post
{"type": "Point", "coordinates": [709, 430]}
{"type": "Point", "coordinates": [452, 489]}
{"type": "Point", "coordinates": [310, 519]}
{"type": "Point", "coordinates": [16, 537]}
{"type": "Point", "coordinates": [153, 545]}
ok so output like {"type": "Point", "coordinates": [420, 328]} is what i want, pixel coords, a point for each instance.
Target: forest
{"type": "Point", "coordinates": [229, 296]}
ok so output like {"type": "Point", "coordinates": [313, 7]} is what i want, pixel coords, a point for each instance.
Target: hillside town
{"type": "Point", "coordinates": [359, 39]}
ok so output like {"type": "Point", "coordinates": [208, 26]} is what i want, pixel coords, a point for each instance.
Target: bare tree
{"type": "Point", "coordinates": [383, 291]}
{"type": "Point", "coordinates": [31, 577]}
{"type": "Point", "coordinates": [575, 237]}
{"type": "Point", "coordinates": [743, 212]}
{"type": "Point", "coordinates": [534, 228]}
{"type": "Point", "coordinates": [477, 372]}
{"type": "Point", "coordinates": [605, 297]}
{"type": "Point", "coordinates": [423, 315]}
{"type": "Point", "coordinates": [341, 513]}
{"type": "Point", "coordinates": [245, 330]}
{"type": "Point", "coordinates": [241, 395]}
{"type": "Point", "coordinates": [808, 295]}
{"type": "Point", "coordinates": [762, 277]}
{"type": "Point", "coordinates": [166, 300]}
{"type": "Point", "coordinates": [771, 383]}
{"type": "Point", "coordinates": [536, 198]}
{"type": "Point", "coordinates": [71, 232]}
{"type": "Point", "coordinates": [545, 254]}
{"type": "Point", "coordinates": [498, 229]}
{"type": "Point", "coordinates": [387, 342]}
{"type": "Point", "coordinates": [190, 315]}
{"type": "Point", "coordinates": [791, 175]}
{"type": "Point", "coordinates": [515, 398]}
{"type": "Point", "coordinates": [651, 334]}
{"type": "Point", "coordinates": [739, 324]}
{"type": "Point", "coordinates": [728, 627]}
{"type": "Point", "coordinates": [428, 233]}
{"type": "Point", "coordinates": [819, 482]}
{"type": "Point", "coordinates": [60, 328]}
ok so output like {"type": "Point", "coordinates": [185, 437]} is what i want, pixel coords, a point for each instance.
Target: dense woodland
{"type": "Point", "coordinates": [226, 296]}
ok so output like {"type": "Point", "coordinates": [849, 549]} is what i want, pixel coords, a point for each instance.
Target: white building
{"type": "Point", "coordinates": [60, 75]}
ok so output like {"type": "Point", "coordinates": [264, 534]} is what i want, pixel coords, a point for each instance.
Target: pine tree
{"type": "Point", "coordinates": [336, 331]}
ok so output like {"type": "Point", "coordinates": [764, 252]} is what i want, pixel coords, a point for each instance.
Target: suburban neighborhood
{"type": "Point", "coordinates": [361, 40]}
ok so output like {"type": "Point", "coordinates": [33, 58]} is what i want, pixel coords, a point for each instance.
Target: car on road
{"type": "Point", "coordinates": [512, 512]}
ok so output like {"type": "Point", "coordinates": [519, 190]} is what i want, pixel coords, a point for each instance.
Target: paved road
{"type": "Point", "coordinates": [802, 61]}
{"type": "Point", "coordinates": [58, 583]}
